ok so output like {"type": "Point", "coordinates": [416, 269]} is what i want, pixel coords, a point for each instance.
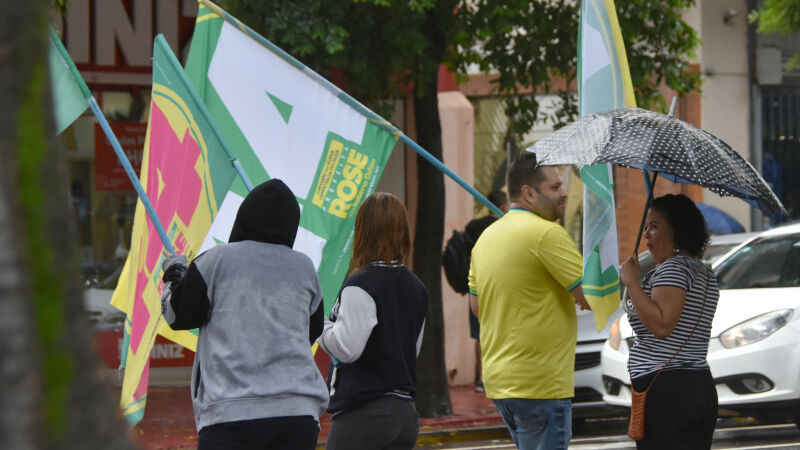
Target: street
{"type": "Point", "coordinates": [730, 434]}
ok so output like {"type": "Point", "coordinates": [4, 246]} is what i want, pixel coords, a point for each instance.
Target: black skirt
{"type": "Point", "coordinates": [681, 409]}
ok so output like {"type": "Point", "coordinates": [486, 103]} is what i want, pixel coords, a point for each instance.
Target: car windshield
{"type": "Point", "coordinates": [763, 263]}
{"type": "Point", "coordinates": [713, 252]}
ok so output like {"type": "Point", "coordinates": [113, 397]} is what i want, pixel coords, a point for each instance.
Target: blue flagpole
{"type": "Point", "coordinates": [439, 165]}
{"type": "Point", "coordinates": [101, 118]}
{"type": "Point", "coordinates": [148, 206]}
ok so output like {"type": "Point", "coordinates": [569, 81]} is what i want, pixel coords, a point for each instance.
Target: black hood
{"type": "Point", "coordinates": [269, 213]}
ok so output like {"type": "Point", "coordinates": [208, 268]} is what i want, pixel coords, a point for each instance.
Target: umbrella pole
{"type": "Point", "coordinates": [650, 188]}
{"type": "Point", "coordinates": [651, 185]}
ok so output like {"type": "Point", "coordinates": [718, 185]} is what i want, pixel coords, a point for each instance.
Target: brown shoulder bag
{"type": "Point", "coordinates": [636, 425]}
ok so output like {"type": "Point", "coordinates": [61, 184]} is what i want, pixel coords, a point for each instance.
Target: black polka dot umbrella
{"type": "Point", "coordinates": [659, 143]}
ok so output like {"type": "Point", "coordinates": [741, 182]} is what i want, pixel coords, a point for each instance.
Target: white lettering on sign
{"type": "Point", "coordinates": [134, 156]}
{"type": "Point", "coordinates": [96, 28]}
{"type": "Point", "coordinates": [132, 34]}
{"type": "Point", "coordinates": [168, 350]}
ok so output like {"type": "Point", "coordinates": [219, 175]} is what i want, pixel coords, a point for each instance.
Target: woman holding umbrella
{"type": "Point", "coordinates": [671, 313]}
{"type": "Point", "coordinates": [672, 310]}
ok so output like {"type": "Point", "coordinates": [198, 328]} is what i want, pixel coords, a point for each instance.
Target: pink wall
{"type": "Point", "coordinates": [457, 119]}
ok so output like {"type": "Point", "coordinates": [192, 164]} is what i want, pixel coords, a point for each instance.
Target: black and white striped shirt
{"type": "Point", "coordinates": [649, 353]}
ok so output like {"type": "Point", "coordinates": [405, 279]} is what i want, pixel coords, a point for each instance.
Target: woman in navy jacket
{"type": "Point", "coordinates": [374, 334]}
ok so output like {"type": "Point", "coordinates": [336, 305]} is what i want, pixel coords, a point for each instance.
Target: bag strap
{"type": "Point", "coordinates": [700, 317]}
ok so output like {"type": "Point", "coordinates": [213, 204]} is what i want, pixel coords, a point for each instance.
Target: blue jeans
{"type": "Point", "coordinates": [537, 424]}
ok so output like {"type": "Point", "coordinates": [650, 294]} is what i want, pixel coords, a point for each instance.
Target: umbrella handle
{"type": "Point", "coordinates": [651, 185]}
{"type": "Point", "coordinates": [650, 188]}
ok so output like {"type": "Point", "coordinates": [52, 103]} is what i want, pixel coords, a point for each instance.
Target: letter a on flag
{"type": "Point", "coordinates": [285, 121]}
{"type": "Point", "coordinates": [185, 173]}
{"type": "Point", "coordinates": [604, 82]}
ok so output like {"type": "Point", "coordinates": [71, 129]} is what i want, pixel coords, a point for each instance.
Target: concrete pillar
{"type": "Point", "coordinates": [457, 119]}
{"type": "Point", "coordinates": [726, 100]}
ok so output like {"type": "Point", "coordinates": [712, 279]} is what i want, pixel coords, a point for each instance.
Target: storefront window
{"type": "Point", "coordinates": [781, 149]}
{"type": "Point", "coordinates": [102, 196]}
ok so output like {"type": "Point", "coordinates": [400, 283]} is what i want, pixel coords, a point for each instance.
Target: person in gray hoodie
{"type": "Point", "coordinates": [258, 306]}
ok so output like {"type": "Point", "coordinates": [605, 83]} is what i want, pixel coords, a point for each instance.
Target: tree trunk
{"type": "Point", "coordinates": [18, 353]}
{"type": "Point", "coordinates": [433, 395]}
{"type": "Point", "coordinates": [50, 379]}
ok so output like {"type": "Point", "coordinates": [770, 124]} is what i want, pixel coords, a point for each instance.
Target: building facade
{"type": "Point", "coordinates": [748, 99]}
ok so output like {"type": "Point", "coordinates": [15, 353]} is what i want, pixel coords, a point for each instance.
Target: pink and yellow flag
{"type": "Point", "coordinates": [186, 173]}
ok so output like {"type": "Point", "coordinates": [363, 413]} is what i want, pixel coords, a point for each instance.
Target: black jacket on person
{"type": "Point", "coordinates": [388, 363]}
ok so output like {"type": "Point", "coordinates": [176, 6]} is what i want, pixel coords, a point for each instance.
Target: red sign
{"type": "Point", "coordinates": [108, 172]}
{"type": "Point", "coordinates": [165, 353]}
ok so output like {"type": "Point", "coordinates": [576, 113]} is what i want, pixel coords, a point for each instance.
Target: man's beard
{"type": "Point", "coordinates": [556, 210]}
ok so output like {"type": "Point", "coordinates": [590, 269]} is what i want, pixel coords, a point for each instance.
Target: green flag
{"type": "Point", "coordinates": [285, 121]}
{"type": "Point", "coordinates": [604, 82]}
{"type": "Point", "coordinates": [69, 98]}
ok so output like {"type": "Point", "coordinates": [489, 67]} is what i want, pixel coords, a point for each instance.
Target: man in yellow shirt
{"type": "Point", "coordinates": [525, 277]}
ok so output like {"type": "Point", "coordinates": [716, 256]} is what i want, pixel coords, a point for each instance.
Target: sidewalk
{"type": "Point", "coordinates": [168, 422]}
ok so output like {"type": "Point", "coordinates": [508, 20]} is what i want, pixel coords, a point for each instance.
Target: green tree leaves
{"type": "Point", "coordinates": [383, 46]}
{"type": "Point", "coordinates": [779, 16]}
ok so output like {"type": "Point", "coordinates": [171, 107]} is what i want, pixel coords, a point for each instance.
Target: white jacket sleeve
{"type": "Point", "coordinates": [419, 338]}
{"type": "Point", "coordinates": [346, 338]}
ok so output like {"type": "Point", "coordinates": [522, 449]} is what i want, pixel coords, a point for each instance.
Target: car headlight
{"type": "Point", "coordinates": [755, 329]}
{"type": "Point", "coordinates": [614, 337]}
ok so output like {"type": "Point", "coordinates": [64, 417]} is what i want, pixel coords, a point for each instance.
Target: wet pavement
{"type": "Point", "coordinates": [168, 422]}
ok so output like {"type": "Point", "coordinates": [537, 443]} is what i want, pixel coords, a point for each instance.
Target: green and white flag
{"type": "Point", "coordinates": [604, 82]}
{"type": "Point", "coordinates": [284, 121]}
{"type": "Point", "coordinates": [69, 100]}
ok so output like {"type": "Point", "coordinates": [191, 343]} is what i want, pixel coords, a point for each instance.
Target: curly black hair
{"type": "Point", "coordinates": [688, 225]}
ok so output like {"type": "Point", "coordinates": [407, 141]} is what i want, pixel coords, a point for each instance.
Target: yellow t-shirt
{"type": "Point", "coordinates": [522, 270]}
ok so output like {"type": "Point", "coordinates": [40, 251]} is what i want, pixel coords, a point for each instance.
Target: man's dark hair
{"type": "Point", "coordinates": [523, 171]}
{"type": "Point", "coordinates": [498, 198]}
{"type": "Point", "coordinates": [688, 226]}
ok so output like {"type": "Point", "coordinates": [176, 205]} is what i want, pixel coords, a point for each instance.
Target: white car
{"type": "Point", "coordinates": [724, 243]}
{"type": "Point", "coordinates": [754, 351]}
{"type": "Point", "coordinates": [588, 400]}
